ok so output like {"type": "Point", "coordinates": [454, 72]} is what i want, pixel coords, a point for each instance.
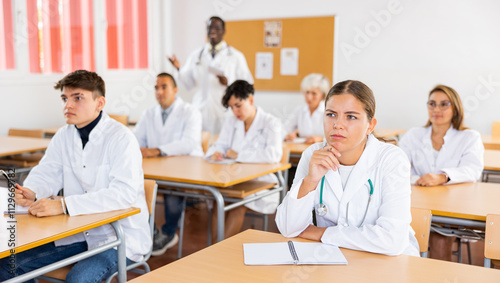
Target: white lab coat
{"type": "Point", "coordinates": [461, 157]}
{"type": "Point", "coordinates": [261, 144]}
{"type": "Point", "coordinates": [195, 73]}
{"type": "Point", "coordinates": [385, 230]}
{"type": "Point", "coordinates": [180, 135]}
{"type": "Point", "coordinates": [105, 176]}
{"type": "Point", "coordinates": [307, 124]}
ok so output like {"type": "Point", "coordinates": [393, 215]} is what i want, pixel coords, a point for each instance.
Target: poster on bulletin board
{"type": "Point", "coordinates": [281, 52]}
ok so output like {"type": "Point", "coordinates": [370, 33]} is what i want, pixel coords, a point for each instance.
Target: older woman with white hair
{"type": "Point", "coordinates": [307, 120]}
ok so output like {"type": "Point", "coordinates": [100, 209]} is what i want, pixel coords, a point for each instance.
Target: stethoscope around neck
{"type": "Point", "coordinates": [321, 208]}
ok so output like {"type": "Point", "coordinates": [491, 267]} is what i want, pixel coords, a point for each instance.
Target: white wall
{"type": "Point", "coordinates": [422, 44]}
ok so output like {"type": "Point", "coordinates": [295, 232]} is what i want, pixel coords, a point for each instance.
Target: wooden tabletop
{"type": "Point", "coordinates": [10, 145]}
{"type": "Point", "coordinates": [490, 142]}
{"type": "Point", "coordinates": [388, 133]}
{"type": "Point", "coordinates": [296, 148]}
{"type": "Point", "coordinates": [223, 262]}
{"type": "Point", "coordinates": [197, 170]}
{"type": "Point", "coordinates": [492, 160]}
{"type": "Point", "coordinates": [50, 131]}
{"type": "Point", "coordinates": [467, 201]}
{"type": "Point", "coordinates": [33, 232]}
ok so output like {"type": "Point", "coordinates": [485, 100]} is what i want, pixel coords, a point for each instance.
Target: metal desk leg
{"type": "Point", "coordinates": [121, 253]}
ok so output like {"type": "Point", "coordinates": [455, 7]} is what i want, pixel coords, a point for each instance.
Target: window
{"type": "Point", "coordinates": [65, 40]}
{"type": "Point", "coordinates": [127, 31]}
{"type": "Point", "coordinates": [6, 36]}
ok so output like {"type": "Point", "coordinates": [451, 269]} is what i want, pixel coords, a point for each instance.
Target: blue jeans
{"type": "Point", "coordinates": [94, 269]}
{"type": "Point", "coordinates": [173, 211]}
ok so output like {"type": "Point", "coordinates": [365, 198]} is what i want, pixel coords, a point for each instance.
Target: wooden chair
{"type": "Point", "coordinates": [492, 241]}
{"type": "Point", "coordinates": [421, 224]}
{"type": "Point", "coordinates": [205, 140]}
{"type": "Point", "coordinates": [495, 129]}
{"type": "Point", "coordinates": [24, 160]}
{"type": "Point", "coordinates": [150, 188]}
{"type": "Point", "coordinates": [120, 118]}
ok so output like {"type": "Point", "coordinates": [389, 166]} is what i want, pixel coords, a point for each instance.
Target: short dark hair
{"type": "Point", "coordinates": [162, 75]}
{"type": "Point", "coordinates": [240, 89]}
{"type": "Point", "coordinates": [219, 19]}
{"type": "Point", "coordinates": [83, 79]}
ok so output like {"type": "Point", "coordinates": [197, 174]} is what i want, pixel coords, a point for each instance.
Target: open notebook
{"type": "Point", "coordinates": [292, 253]}
{"type": "Point", "coordinates": [4, 203]}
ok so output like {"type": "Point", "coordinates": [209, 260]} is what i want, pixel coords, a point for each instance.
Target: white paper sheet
{"type": "Point", "coordinates": [279, 254]}
{"type": "Point", "coordinates": [289, 61]}
{"type": "Point", "coordinates": [264, 65]}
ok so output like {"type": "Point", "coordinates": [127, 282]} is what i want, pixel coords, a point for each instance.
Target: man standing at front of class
{"type": "Point", "coordinates": [211, 69]}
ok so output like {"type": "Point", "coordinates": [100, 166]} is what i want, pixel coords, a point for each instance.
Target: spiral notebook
{"type": "Point", "coordinates": [292, 253]}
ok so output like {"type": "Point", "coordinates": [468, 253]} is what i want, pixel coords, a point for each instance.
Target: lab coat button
{"type": "Point", "coordinates": [83, 166]}
{"type": "Point", "coordinates": [345, 225]}
{"type": "Point", "coordinates": [86, 233]}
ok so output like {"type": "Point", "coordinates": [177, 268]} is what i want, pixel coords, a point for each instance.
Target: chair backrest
{"type": "Point", "coordinates": [421, 224]}
{"type": "Point", "coordinates": [120, 118]}
{"type": "Point", "coordinates": [150, 190]}
{"type": "Point", "coordinates": [205, 139]}
{"type": "Point", "coordinates": [492, 238]}
{"type": "Point", "coordinates": [26, 133]}
{"type": "Point", "coordinates": [495, 130]}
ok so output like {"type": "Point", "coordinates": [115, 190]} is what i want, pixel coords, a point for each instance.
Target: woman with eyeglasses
{"type": "Point", "coordinates": [443, 152]}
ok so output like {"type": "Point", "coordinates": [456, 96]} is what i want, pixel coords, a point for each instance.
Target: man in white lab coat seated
{"type": "Point", "coordinates": [250, 136]}
{"type": "Point", "coordinates": [98, 163]}
{"type": "Point", "coordinates": [211, 69]}
{"type": "Point", "coordinates": [173, 127]}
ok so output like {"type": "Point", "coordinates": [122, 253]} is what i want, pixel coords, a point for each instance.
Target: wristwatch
{"type": "Point", "coordinates": [447, 177]}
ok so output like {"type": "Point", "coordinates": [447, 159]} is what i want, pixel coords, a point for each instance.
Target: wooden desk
{"type": "Point", "coordinates": [467, 201]}
{"type": "Point", "coordinates": [196, 173]}
{"type": "Point", "coordinates": [223, 262]}
{"type": "Point", "coordinates": [50, 131]}
{"type": "Point", "coordinates": [388, 133]}
{"type": "Point", "coordinates": [492, 160]}
{"type": "Point", "coordinates": [16, 145]}
{"type": "Point", "coordinates": [33, 232]}
{"type": "Point", "coordinates": [490, 142]}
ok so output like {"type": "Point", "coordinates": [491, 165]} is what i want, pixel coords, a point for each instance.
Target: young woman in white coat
{"type": "Point", "coordinates": [355, 187]}
{"type": "Point", "coordinates": [443, 152]}
{"type": "Point", "coordinates": [249, 136]}
{"type": "Point", "coordinates": [307, 120]}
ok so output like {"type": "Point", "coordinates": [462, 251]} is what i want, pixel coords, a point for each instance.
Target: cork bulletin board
{"type": "Point", "coordinates": [312, 37]}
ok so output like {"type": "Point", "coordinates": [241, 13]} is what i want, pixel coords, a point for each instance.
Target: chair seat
{"type": "Point", "coordinates": [59, 273]}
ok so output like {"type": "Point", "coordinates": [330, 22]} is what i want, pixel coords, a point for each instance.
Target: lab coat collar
{"type": "Point", "coordinates": [157, 120]}
{"type": "Point", "coordinates": [359, 174]}
{"type": "Point", "coordinates": [95, 136]}
{"type": "Point", "coordinates": [320, 109]}
{"type": "Point", "coordinates": [254, 131]}
{"type": "Point", "coordinates": [220, 46]}
{"type": "Point", "coordinates": [427, 142]}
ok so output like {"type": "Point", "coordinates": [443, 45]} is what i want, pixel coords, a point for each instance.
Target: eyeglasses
{"type": "Point", "coordinates": [443, 105]}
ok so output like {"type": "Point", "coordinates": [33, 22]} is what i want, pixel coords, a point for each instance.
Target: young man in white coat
{"type": "Point", "coordinates": [173, 127]}
{"type": "Point", "coordinates": [211, 69]}
{"type": "Point", "coordinates": [98, 163]}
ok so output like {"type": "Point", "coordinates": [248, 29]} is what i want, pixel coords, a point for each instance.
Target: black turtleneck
{"type": "Point", "coordinates": [85, 131]}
